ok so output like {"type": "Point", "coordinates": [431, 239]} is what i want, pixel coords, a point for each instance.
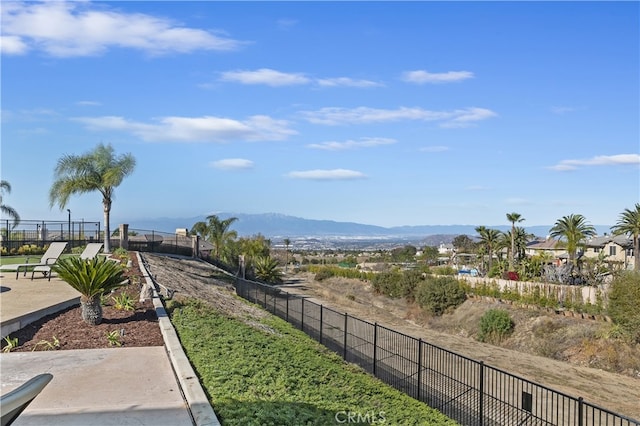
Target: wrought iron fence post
{"type": "Point", "coordinates": [375, 347]}
{"type": "Point", "coordinates": [580, 410]}
{"type": "Point", "coordinates": [302, 316]}
{"type": "Point", "coordinates": [344, 354]}
{"type": "Point", "coordinates": [481, 393]}
{"type": "Point", "coordinates": [420, 369]}
{"type": "Point", "coordinates": [287, 307]}
{"type": "Point", "coordinates": [321, 309]}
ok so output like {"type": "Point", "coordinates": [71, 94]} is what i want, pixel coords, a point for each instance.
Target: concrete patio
{"type": "Point", "coordinates": [116, 386]}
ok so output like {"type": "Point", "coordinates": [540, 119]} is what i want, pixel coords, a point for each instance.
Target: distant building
{"type": "Point", "coordinates": [617, 249]}
{"type": "Point", "coordinates": [547, 246]}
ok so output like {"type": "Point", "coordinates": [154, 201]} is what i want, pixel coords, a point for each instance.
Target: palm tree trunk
{"type": "Point", "coordinates": [106, 204]}
{"type": "Point", "coordinates": [91, 310]}
{"type": "Point", "coordinates": [636, 253]}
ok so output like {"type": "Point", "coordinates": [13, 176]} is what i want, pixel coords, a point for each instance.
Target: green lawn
{"type": "Point", "coordinates": [265, 372]}
{"type": "Point", "coordinates": [35, 258]}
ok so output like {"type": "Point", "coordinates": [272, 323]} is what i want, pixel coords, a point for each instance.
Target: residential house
{"type": "Point", "coordinates": [616, 249]}
{"type": "Point", "coordinates": [548, 247]}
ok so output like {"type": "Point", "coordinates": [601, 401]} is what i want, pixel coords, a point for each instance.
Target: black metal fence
{"type": "Point", "coordinates": [43, 232]}
{"type": "Point", "coordinates": [158, 242]}
{"type": "Point", "coordinates": [79, 233]}
{"type": "Point", "coordinates": [466, 390]}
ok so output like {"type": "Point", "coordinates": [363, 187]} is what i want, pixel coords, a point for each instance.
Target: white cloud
{"type": "Point", "coordinates": [195, 129]}
{"type": "Point", "coordinates": [265, 76]}
{"type": "Point", "coordinates": [88, 103]}
{"type": "Point", "coordinates": [67, 29]}
{"type": "Point", "coordinates": [232, 164]}
{"type": "Point", "coordinates": [285, 23]}
{"type": "Point", "coordinates": [346, 82]}
{"type": "Point", "coordinates": [275, 78]}
{"type": "Point", "coordinates": [600, 160]}
{"type": "Point", "coordinates": [13, 45]}
{"type": "Point", "coordinates": [336, 116]}
{"type": "Point", "coordinates": [352, 144]}
{"type": "Point", "coordinates": [422, 77]}
{"type": "Point", "coordinates": [434, 148]}
{"type": "Point", "coordinates": [335, 174]}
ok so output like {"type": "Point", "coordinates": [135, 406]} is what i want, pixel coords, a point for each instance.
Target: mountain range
{"type": "Point", "coordinates": [278, 226]}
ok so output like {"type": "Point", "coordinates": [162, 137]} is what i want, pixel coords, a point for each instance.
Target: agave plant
{"type": "Point", "coordinates": [91, 278]}
{"type": "Point", "coordinates": [266, 269]}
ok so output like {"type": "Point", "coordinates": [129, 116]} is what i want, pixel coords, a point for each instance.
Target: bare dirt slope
{"type": "Point", "coordinates": [615, 392]}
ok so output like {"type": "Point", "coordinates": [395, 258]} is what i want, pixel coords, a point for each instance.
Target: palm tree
{"type": "Point", "coordinates": [91, 278]}
{"type": "Point", "coordinates": [629, 223]}
{"type": "Point", "coordinates": [9, 211]}
{"type": "Point", "coordinates": [99, 170]}
{"type": "Point", "coordinates": [513, 218]}
{"type": "Point", "coordinates": [521, 239]}
{"type": "Point", "coordinates": [200, 228]}
{"type": "Point", "coordinates": [219, 233]}
{"type": "Point", "coordinates": [574, 229]}
{"type": "Point", "coordinates": [490, 239]}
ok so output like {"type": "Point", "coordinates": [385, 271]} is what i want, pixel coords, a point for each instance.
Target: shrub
{"type": "Point", "coordinates": [439, 294]}
{"type": "Point", "coordinates": [624, 299]}
{"type": "Point", "coordinates": [323, 274]}
{"type": "Point", "coordinates": [388, 283]}
{"type": "Point", "coordinates": [495, 324]}
{"type": "Point", "coordinates": [409, 284]}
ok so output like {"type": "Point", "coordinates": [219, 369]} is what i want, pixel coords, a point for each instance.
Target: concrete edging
{"type": "Point", "coordinates": [201, 410]}
{"type": "Point", "coordinates": [22, 321]}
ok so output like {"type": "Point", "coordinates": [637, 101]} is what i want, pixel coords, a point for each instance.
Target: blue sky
{"type": "Point", "coordinates": [383, 113]}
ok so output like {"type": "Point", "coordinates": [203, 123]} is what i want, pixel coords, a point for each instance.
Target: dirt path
{"type": "Point", "coordinates": [615, 392]}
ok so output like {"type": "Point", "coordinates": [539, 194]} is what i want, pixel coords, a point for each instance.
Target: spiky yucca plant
{"type": "Point", "coordinates": [91, 278]}
{"type": "Point", "coordinates": [266, 269]}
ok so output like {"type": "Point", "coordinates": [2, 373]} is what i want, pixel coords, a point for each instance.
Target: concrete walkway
{"type": "Point", "coordinates": [115, 386]}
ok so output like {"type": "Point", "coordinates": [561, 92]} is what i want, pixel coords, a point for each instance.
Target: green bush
{"type": "Point", "coordinates": [323, 274]}
{"type": "Point", "coordinates": [624, 299]}
{"type": "Point", "coordinates": [410, 282]}
{"type": "Point", "coordinates": [495, 324]}
{"type": "Point", "coordinates": [439, 294]}
{"type": "Point", "coordinates": [388, 283]}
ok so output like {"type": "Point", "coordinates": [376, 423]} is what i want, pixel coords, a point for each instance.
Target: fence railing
{"type": "Point", "coordinates": [43, 232]}
{"type": "Point", "coordinates": [464, 389]}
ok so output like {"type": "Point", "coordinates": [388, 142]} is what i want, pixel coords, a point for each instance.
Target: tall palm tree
{"type": "Point", "coordinates": [98, 170]}
{"type": "Point", "coordinates": [629, 223]}
{"type": "Point", "coordinates": [219, 233]}
{"type": "Point", "coordinates": [490, 239]}
{"type": "Point", "coordinates": [9, 211]}
{"type": "Point", "coordinates": [574, 229]}
{"type": "Point", "coordinates": [513, 218]}
{"type": "Point", "coordinates": [521, 239]}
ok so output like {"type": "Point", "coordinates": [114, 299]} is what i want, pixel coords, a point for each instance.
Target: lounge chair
{"type": "Point", "coordinates": [89, 252]}
{"type": "Point", "coordinates": [48, 258]}
{"type": "Point", "coordinates": [13, 403]}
